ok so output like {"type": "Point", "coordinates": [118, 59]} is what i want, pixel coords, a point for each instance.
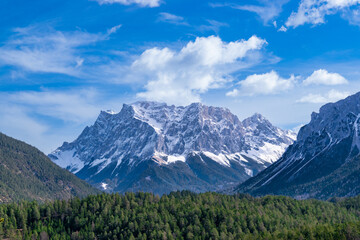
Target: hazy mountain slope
{"type": "Point", "coordinates": [26, 173]}
{"type": "Point", "coordinates": [155, 147]}
{"type": "Point", "coordinates": [323, 162]}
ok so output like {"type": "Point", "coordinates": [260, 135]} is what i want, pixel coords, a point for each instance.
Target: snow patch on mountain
{"type": "Point", "coordinates": [104, 186]}
{"type": "Point", "coordinates": [220, 158]}
{"type": "Point", "coordinates": [162, 158]}
{"type": "Point", "coordinates": [150, 131]}
{"type": "Point", "coordinates": [323, 148]}
{"type": "Point", "coordinates": [68, 160]}
{"type": "Point", "coordinates": [269, 152]}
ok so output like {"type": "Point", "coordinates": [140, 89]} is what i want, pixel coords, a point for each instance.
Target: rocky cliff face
{"type": "Point", "coordinates": [318, 163]}
{"type": "Point", "coordinates": [155, 147]}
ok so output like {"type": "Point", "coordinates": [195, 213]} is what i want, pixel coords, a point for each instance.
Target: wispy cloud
{"type": "Point", "coordinates": [31, 115]}
{"type": "Point", "coordinates": [213, 25]}
{"type": "Point", "coordinates": [315, 11]}
{"type": "Point", "coordinates": [114, 29]}
{"type": "Point", "coordinates": [352, 15]}
{"type": "Point", "coordinates": [75, 106]}
{"type": "Point", "coordinates": [17, 123]}
{"type": "Point", "coordinates": [141, 3]}
{"type": "Point", "coordinates": [266, 10]}
{"type": "Point", "coordinates": [171, 18]}
{"type": "Point", "coordinates": [45, 50]}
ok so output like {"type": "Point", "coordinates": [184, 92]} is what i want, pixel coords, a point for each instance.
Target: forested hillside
{"type": "Point", "coordinates": [26, 173]}
{"type": "Point", "coordinates": [182, 215]}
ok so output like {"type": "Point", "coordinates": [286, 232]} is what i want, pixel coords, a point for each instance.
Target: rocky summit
{"type": "Point", "coordinates": [150, 146]}
{"type": "Point", "coordinates": [324, 161]}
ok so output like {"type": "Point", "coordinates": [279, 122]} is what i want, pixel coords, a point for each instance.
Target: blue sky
{"type": "Point", "coordinates": [63, 61]}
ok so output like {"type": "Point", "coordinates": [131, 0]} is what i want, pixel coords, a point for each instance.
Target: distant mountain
{"type": "Point", "coordinates": [28, 174]}
{"type": "Point", "coordinates": [324, 161]}
{"type": "Point", "coordinates": [154, 147]}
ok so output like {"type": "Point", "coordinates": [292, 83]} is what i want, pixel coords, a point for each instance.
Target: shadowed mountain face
{"type": "Point", "coordinates": [323, 162]}
{"type": "Point", "coordinates": [154, 147]}
{"type": "Point", "coordinates": [27, 174]}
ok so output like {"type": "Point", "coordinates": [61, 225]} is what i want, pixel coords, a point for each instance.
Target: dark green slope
{"type": "Point", "coordinates": [26, 173]}
{"type": "Point", "coordinates": [344, 182]}
{"type": "Point", "coordinates": [182, 215]}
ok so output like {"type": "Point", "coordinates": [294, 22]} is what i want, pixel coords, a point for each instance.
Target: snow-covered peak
{"type": "Point", "coordinates": [257, 117]}
{"type": "Point", "coordinates": [111, 112]}
{"type": "Point", "coordinates": [255, 120]}
{"type": "Point", "coordinates": [258, 125]}
{"type": "Point", "coordinates": [311, 166]}
{"type": "Point", "coordinates": [156, 114]}
{"type": "Point", "coordinates": [161, 115]}
{"type": "Point", "coordinates": [337, 119]}
{"type": "Point", "coordinates": [144, 131]}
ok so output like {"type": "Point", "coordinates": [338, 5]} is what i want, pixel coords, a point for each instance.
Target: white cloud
{"type": "Point", "coordinates": [282, 29]}
{"type": "Point", "coordinates": [323, 77]}
{"type": "Point", "coordinates": [141, 3]}
{"type": "Point", "coordinates": [267, 11]}
{"type": "Point", "coordinates": [213, 26]}
{"type": "Point", "coordinates": [114, 29]}
{"type": "Point", "coordinates": [77, 106]}
{"type": "Point", "coordinates": [171, 18]}
{"type": "Point", "coordinates": [233, 93]}
{"type": "Point", "coordinates": [352, 15]}
{"type": "Point", "coordinates": [263, 84]}
{"type": "Point", "coordinates": [180, 77]}
{"type": "Point", "coordinates": [48, 117]}
{"type": "Point", "coordinates": [42, 49]}
{"type": "Point", "coordinates": [15, 122]}
{"type": "Point", "coordinates": [331, 96]}
{"type": "Point", "coordinates": [314, 11]}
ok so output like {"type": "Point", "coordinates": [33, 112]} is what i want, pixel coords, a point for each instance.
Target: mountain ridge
{"type": "Point", "coordinates": [325, 147]}
{"type": "Point", "coordinates": [172, 138]}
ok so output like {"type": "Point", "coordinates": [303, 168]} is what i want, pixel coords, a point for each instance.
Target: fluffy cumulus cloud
{"type": "Point", "coordinates": [314, 11]}
{"type": "Point", "coordinates": [331, 96]}
{"type": "Point", "coordinates": [42, 49]}
{"type": "Point", "coordinates": [141, 3]}
{"type": "Point", "coordinates": [180, 77]}
{"type": "Point", "coordinates": [323, 77]}
{"type": "Point", "coordinates": [263, 84]}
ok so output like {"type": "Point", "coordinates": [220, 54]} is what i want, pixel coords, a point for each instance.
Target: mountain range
{"type": "Point", "coordinates": [150, 146]}
{"type": "Point", "coordinates": [324, 161]}
{"type": "Point", "coordinates": [153, 147]}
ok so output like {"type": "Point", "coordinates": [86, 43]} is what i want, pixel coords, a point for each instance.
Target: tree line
{"type": "Point", "coordinates": [182, 215]}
